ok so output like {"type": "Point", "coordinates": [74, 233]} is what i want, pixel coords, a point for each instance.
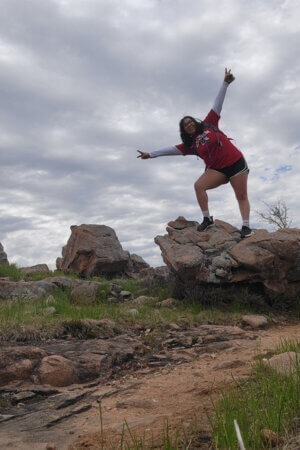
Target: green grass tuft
{"type": "Point", "coordinates": [269, 400]}
{"type": "Point", "coordinates": [11, 271]}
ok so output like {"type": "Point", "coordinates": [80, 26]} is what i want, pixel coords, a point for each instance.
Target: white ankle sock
{"type": "Point", "coordinates": [206, 213]}
{"type": "Point", "coordinates": [246, 223]}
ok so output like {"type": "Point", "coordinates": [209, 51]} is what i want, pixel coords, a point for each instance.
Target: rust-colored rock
{"type": "Point", "coordinates": [56, 370]}
{"type": "Point", "coordinates": [93, 250]}
{"type": "Point", "coordinates": [18, 363]}
{"type": "Point", "coordinates": [255, 321]}
{"type": "Point", "coordinates": [167, 303]}
{"type": "Point", "coordinates": [220, 256]}
{"type": "Point", "coordinates": [270, 437]}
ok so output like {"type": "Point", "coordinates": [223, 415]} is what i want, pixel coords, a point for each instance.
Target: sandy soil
{"type": "Point", "coordinates": [179, 394]}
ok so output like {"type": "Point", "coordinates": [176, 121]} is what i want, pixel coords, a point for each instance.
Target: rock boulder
{"type": "Point", "coordinates": [18, 362]}
{"type": "Point", "coordinates": [55, 370]}
{"type": "Point", "coordinates": [155, 274]}
{"type": "Point", "coordinates": [135, 264]}
{"type": "Point", "coordinates": [33, 269]}
{"type": "Point", "coordinates": [93, 250]}
{"type": "Point", "coordinates": [219, 256]}
{"type": "Point", "coordinates": [26, 290]}
{"type": "Point", "coordinates": [3, 255]}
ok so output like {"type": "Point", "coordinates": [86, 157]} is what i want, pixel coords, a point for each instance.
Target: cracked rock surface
{"type": "Point", "coordinates": [219, 256]}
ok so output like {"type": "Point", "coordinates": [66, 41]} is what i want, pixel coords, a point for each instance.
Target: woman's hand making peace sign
{"type": "Point", "coordinates": [229, 78]}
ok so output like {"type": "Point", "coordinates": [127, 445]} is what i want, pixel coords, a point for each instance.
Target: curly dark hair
{"type": "Point", "coordinates": [187, 139]}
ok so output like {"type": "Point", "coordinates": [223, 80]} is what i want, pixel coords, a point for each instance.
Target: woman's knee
{"type": "Point", "coordinates": [198, 186]}
{"type": "Point", "coordinates": [241, 196]}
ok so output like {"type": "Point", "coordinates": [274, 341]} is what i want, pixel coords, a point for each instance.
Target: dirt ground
{"type": "Point", "coordinates": [178, 394]}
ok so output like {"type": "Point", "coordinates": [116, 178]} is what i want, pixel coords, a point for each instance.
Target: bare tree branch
{"type": "Point", "coordinates": [276, 214]}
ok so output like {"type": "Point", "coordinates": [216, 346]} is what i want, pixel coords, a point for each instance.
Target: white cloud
{"type": "Point", "coordinates": [85, 84]}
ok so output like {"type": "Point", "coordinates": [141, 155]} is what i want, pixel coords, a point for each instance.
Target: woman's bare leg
{"type": "Point", "coordinates": [239, 184]}
{"type": "Point", "coordinates": [210, 179]}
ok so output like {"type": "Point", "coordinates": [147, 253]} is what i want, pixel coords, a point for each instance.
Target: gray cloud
{"type": "Point", "coordinates": [85, 84]}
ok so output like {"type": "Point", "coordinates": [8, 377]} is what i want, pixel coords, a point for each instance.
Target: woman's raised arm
{"type": "Point", "coordinates": [228, 78]}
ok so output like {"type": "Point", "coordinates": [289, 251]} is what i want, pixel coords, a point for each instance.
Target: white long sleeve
{"type": "Point", "coordinates": [167, 151]}
{"type": "Point", "coordinates": [220, 98]}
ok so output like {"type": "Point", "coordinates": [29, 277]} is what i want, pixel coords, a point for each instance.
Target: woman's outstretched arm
{"type": "Point", "coordinates": [167, 151]}
{"type": "Point", "coordinates": [229, 78]}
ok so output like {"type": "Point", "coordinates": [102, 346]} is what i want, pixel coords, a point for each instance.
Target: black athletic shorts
{"type": "Point", "coordinates": [240, 166]}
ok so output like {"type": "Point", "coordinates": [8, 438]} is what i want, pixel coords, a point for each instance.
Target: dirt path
{"type": "Point", "coordinates": [179, 394]}
{"type": "Point", "coordinates": [146, 398]}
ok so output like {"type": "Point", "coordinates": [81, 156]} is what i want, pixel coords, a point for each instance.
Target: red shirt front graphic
{"type": "Point", "coordinates": [216, 153]}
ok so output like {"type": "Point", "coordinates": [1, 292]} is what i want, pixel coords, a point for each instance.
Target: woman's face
{"type": "Point", "coordinates": [189, 125]}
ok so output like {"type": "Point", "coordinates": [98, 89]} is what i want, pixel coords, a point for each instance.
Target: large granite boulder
{"type": "Point", "coordinates": [3, 255]}
{"type": "Point", "coordinates": [93, 250]}
{"type": "Point", "coordinates": [219, 256]}
{"type": "Point", "coordinates": [135, 264]}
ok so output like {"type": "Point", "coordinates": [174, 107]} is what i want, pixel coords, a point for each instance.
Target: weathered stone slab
{"type": "Point", "coordinates": [25, 290]}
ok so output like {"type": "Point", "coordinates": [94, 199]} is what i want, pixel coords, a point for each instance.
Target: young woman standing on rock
{"type": "Point", "coordinates": [224, 162]}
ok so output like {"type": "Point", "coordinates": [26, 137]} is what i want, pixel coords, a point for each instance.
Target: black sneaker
{"type": "Point", "coordinates": [207, 222]}
{"type": "Point", "coordinates": [246, 231]}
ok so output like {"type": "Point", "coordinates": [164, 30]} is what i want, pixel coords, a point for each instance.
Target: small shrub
{"type": "Point", "coordinates": [11, 271]}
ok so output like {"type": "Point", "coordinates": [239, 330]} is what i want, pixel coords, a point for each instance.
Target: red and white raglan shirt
{"type": "Point", "coordinates": [216, 150]}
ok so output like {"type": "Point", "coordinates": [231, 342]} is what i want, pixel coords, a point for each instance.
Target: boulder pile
{"type": "Point", "coordinates": [95, 250]}
{"type": "Point", "coordinates": [219, 256]}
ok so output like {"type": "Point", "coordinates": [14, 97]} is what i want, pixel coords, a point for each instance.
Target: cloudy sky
{"type": "Point", "coordinates": [85, 83]}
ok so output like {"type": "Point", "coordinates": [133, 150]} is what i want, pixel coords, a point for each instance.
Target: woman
{"type": "Point", "coordinates": [224, 162]}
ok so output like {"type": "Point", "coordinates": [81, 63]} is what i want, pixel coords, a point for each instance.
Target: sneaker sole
{"type": "Point", "coordinates": [248, 235]}
{"type": "Point", "coordinates": [201, 231]}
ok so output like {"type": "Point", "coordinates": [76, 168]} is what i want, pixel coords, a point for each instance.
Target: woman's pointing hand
{"type": "Point", "coordinates": [143, 155]}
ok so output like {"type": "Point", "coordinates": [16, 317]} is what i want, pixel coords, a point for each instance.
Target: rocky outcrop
{"type": "Point", "coordinates": [65, 362]}
{"type": "Point", "coordinates": [93, 250]}
{"type": "Point", "coordinates": [155, 274]}
{"type": "Point", "coordinates": [34, 269]}
{"type": "Point", "coordinates": [219, 256]}
{"type": "Point", "coordinates": [25, 290]}
{"type": "Point", "coordinates": [61, 282]}
{"type": "Point", "coordinates": [3, 255]}
{"type": "Point", "coordinates": [62, 363]}
{"type": "Point", "coordinates": [18, 363]}
{"type": "Point", "coordinates": [135, 264]}
{"type": "Point", "coordinates": [85, 291]}
{"type": "Point", "coordinates": [79, 291]}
